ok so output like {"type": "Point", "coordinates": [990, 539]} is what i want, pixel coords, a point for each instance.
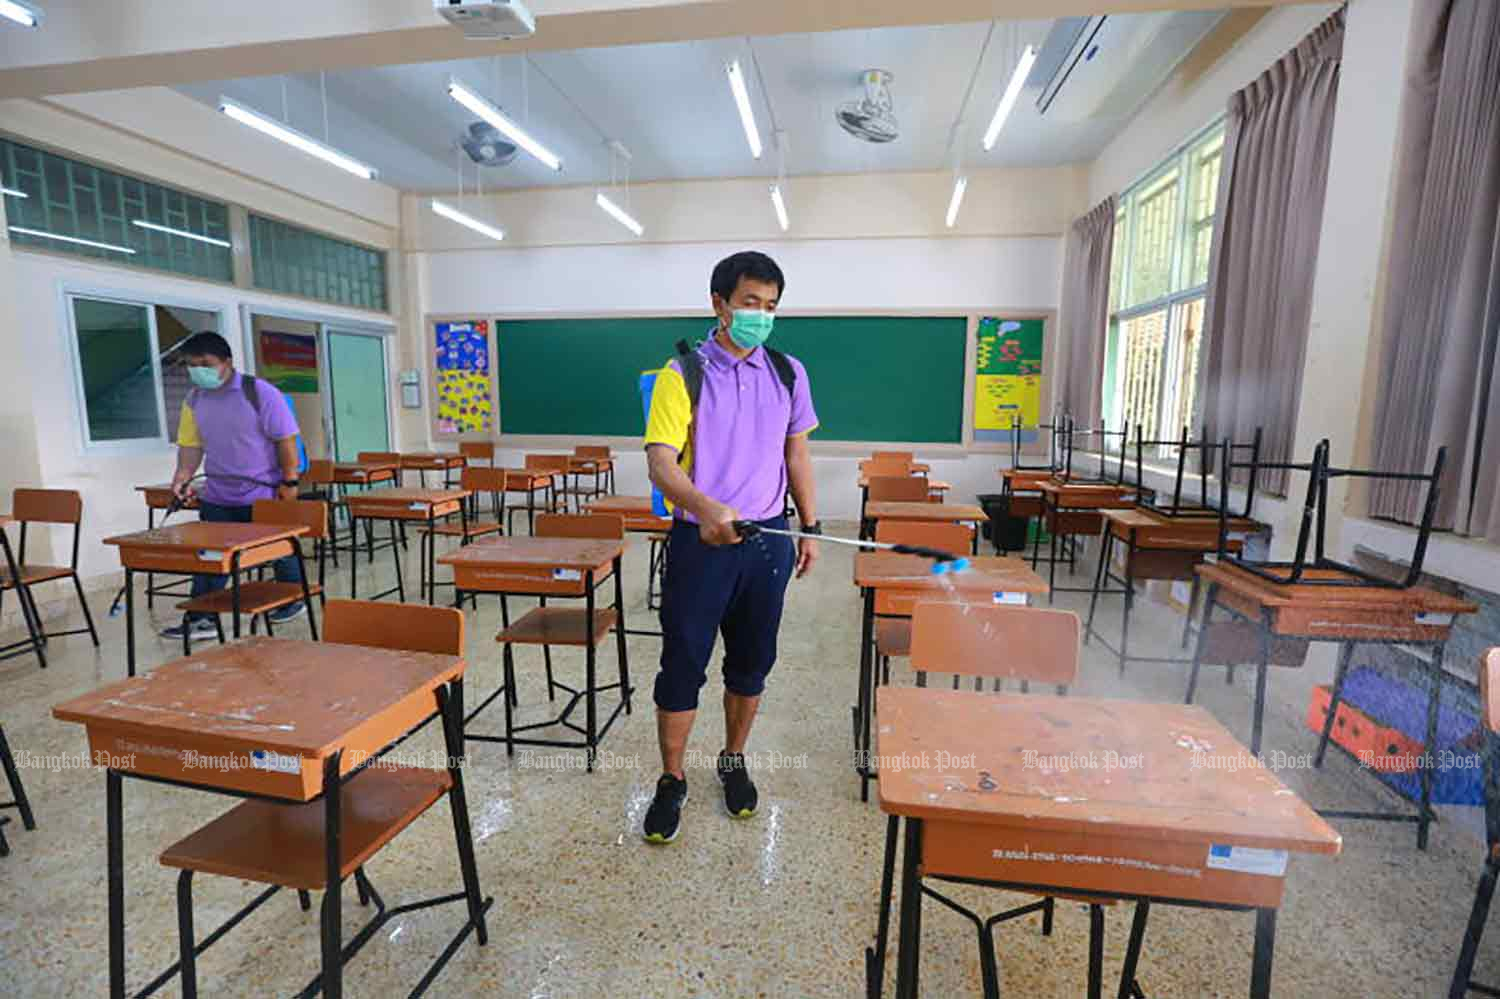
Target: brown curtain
{"type": "Point", "coordinates": [1442, 321]}
{"type": "Point", "coordinates": [1085, 310]}
{"type": "Point", "coordinates": [1265, 245]}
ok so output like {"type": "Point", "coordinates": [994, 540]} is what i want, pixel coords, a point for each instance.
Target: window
{"type": "Point", "coordinates": [130, 382]}
{"type": "Point", "coordinates": [58, 204]}
{"type": "Point", "coordinates": [1158, 284]}
{"type": "Point", "coordinates": [299, 262]}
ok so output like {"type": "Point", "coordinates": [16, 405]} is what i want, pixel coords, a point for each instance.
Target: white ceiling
{"type": "Point", "coordinates": [670, 104]}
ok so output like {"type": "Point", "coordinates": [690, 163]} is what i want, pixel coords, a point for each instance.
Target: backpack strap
{"type": "Point", "coordinates": [251, 390]}
{"type": "Point", "coordinates": [784, 369]}
{"type": "Point", "coordinates": [691, 364]}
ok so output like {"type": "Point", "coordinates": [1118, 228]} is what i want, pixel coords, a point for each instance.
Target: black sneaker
{"type": "Point", "coordinates": [198, 629]}
{"type": "Point", "coordinates": [665, 812]}
{"type": "Point", "coordinates": [740, 796]}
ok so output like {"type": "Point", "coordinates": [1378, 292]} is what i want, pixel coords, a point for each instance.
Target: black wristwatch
{"type": "Point", "coordinates": [816, 527]}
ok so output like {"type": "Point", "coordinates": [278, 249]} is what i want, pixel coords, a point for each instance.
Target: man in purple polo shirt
{"type": "Point", "coordinates": [729, 454]}
{"type": "Point", "coordinates": [243, 433]}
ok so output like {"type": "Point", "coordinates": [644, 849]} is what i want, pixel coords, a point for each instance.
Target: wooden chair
{"type": "Point", "coordinates": [281, 844]}
{"type": "Point", "coordinates": [478, 480]}
{"type": "Point", "coordinates": [44, 506]}
{"type": "Point", "coordinates": [892, 625]}
{"type": "Point", "coordinates": [897, 467]}
{"type": "Point", "coordinates": [319, 477]}
{"type": "Point", "coordinates": [607, 526]}
{"type": "Point", "coordinates": [906, 456]}
{"type": "Point", "coordinates": [902, 488]}
{"type": "Point", "coordinates": [475, 452]}
{"type": "Point", "coordinates": [1003, 643]}
{"type": "Point", "coordinates": [259, 597]}
{"type": "Point", "coordinates": [557, 465]}
{"type": "Point", "coordinates": [18, 797]}
{"type": "Point", "coordinates": [605, 457]}
{"type": "Point", "coordinates": [1489, 872]}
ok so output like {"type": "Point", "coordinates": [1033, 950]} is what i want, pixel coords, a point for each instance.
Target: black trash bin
{"type": "Point", "coordinates": [1007, 533]}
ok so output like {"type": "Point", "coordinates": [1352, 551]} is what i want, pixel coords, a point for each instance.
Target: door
{"type": "Point", "coordinates": [357, 379]}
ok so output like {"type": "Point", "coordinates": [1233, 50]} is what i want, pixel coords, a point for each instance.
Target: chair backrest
{"type": "Point", "coordinates": [47, 506]}
{"type": "Point", "coordinates": [872, 467]}
{"type": "Point", "coordinates": [319, 472]}
{"type": "Point", "coordinates": [592, 451]}
{"type": "Point", "coordinates": [381, 624]}
{"type": "Point", "coordinates": [312, 514]}
{"type": "Point", "coordinates": [996, 640]}
{"type": "Point", "coordinates": [1489, 689]}
{"type": "Point", "coordinates": [384, 457]}
{"type": "Point", "coordinates": [906, 456]}
{"type": "Point", "coordinates": [547, 462]}
{"type": "Point", "coordinates": [898, 488]}
{"type": "Point", "coordinates": [477, 450]}
{"type": "Point", "coordinates": [953, 538]}
{"type": "Point", "coordinates": [483, 479]}
{"type": "Point", "coordinates": [608, 526]}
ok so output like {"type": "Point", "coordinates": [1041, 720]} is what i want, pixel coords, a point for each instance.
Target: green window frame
{"type": "Point", "coordinates": [295, 261]}
{"type": "Point", "coordinates": [63, 205]}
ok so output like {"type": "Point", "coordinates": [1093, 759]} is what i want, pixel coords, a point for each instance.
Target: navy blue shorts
{"type": "Point", "coordinates": [733, 590]}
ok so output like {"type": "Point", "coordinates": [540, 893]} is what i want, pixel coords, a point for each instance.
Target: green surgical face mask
{"type": "Point", "coordinates": [204, 377]}
{"type": "Point", "coordinates": [751, 328]}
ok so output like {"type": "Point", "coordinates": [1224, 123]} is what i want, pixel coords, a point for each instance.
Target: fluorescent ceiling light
{"type": "Point", "coordinates": [185, 235]}
{"type": "Point", "coordinates": [72, 239]}
{"type": "Point", "coordinates": [11, 192]}
{"type": "Point", "coordinates": [742, 101]}
{"type": "Point", "coordinates": [619, 214]}
{"type": "Point", "coordinates": [484, 109]}
{"type": "Point", "coordinates": [294, 138]}
{"type": "Point", "coordinates": [467, 221]}
{"type": "Point", "coordinates": [960, 184]}
{"type": "Point", "coordinates": [1008, 99]}
{"type": "Point", "coordinates": [780, 204]}
{"type": "Point", "coordinates": [23, 14]}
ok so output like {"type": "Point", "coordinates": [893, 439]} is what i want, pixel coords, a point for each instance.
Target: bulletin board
{"type": "Point", "coordinates": [463, 377]}
{"type": "Point", "coordinates": [1007, 377]}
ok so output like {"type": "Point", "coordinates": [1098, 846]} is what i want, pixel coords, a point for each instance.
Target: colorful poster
{"type": "Point", "coordinates": [464, 396]}
{"type": "Point", "coordinates": [1008, 378]}
{"type": "Point", "coordinates": [289, 361]}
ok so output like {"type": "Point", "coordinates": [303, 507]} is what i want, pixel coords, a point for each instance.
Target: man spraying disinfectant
{"type": "Point", "coordinates": [242, 431]}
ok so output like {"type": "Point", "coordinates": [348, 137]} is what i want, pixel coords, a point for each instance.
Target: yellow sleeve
{"type": "Point", "coordinates": [671, 411]}
{"type": "Point", "coordinates": [187, 428]}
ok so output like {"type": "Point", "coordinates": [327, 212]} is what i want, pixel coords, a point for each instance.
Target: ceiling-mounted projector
{"type": "Point", "coordinates": [488, 19]}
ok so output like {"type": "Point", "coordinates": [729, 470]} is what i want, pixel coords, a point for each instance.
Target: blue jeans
{"type": "Point", "coordinates": [288, 570]}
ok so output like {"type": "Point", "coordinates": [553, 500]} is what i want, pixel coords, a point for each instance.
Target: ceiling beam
{"type": "Point", "coordinates": [85, 46]}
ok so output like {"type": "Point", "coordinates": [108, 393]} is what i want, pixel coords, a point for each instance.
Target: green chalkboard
{"type": "Point", "coordinates": [874, 378]}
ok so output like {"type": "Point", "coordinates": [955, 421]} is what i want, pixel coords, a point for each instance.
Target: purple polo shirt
{"type": "Point", "coordinates": [236, 439]}
{"type": "Point", "coordinates": [737, 450]}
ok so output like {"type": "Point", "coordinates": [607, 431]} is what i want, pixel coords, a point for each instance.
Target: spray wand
{"type": "Point", "coordinates": [942, 562]}
{"type": "Point", "coordinates": [179, 501]}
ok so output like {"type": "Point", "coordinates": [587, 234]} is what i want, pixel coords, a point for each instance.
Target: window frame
{"type": "Point", "coordinates": [1181, 160]}
{"type": "Point", "coordinates": [67, 294]}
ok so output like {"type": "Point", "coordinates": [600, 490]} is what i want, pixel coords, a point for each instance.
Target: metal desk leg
{"type": "Point", "coordinates": [1429, 748]}
{"type": "Point", "coordinates": [129, 623]}
{"type": "Point", "coordinates": [910, 942]}
{"type": "Point", "coordinates": [234, 598]}
{"type": "Point", "coordinates": [1265, 947]}
{"type": "Point", "coordinates": [875, 957]}
{"type": "Point", "coordinates": [332, 922]}
{"type": "Point", "coordinates": [1208, 609]}
{"type": "Point", "coordinates": [353, 558]}
{"type": "Point", "coordinates": [591, 699]}
{"type": "Point", "coordinates": [115, 861]}
{"type": "Point", "coordinates": [862, 696]}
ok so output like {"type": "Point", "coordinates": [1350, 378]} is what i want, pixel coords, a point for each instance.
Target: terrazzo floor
{"type": "Point", "coordinates": [782, 905]}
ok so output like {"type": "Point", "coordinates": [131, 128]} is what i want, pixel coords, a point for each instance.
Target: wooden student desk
{"type": "Point", "coordinates": [282, 722]}
{"type": "Point", "coordinates": [601, 469]}
{"type": "Point", "coordinates": [1273, 624]}
{"type": "Point", "coordinates": [423, 462]}
{"type": "Point", "coordinates": [641, 518]}
{"type": "Point", "coordinates": [1071, 510]}
{"type": "Point", "coordinates": [400, 506]}
{"type": "Point", "coordinates": [890, 586]}
{"type": "Point", "coordinates": [1023, 486]}
{"type": "Point", "coordinates": [202, 548]}
{"type": "Point", "coordinates": [1157, 546]}
{"type": "Point", "coordinates": [1171, 828]}
{"type": "Point", "coordinates": [549, 567]}
{"type": "Point", "coordinates": [363, 474]}
{"type": "Point", "coordinates": [927, 513]}
{"type": "Point", "coordinates": [159, 496]}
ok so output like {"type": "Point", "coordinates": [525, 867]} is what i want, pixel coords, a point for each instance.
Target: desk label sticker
{"type": "Point", "coordinates": [416, 506]}
{"type": "Point", "coordinates": [568, 575]}
{"type": "Point", "coordinates": [276, 763]}
{"type": "Point", "coordinates": [1247, 860]}
{"type": "Point", "coordinates": [209, 555]}
{"type": "Point", "coordinates": [1002, 597]}
{"type": "Point", "coordinates": [1437, 620]}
